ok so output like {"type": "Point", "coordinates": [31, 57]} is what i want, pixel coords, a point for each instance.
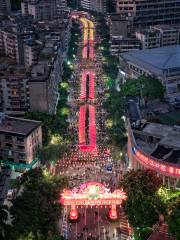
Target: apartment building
{"type": "Point", "coordinates": [43, 10]}
{"type": "Point", "coordinates": [45, 78]}
{"type": "Point", "coordinates": [149, 38]}
{"type": "Point", "coordinates": [5, 7]}
{"type": "Point", "coordinates": [119, 36]}
{"type": "Point", "coordinates": [57, 31]}
{"type": "Point", "coordinates": [122, 44]}
{"type": "Point", "coordinates": [169, 34]}
{"type": "Point", "coordinates": [61, 6]}
{"type": "Point", "coordinates": [14, 97]}
{"type": "Point", "coordinates": [99, 6]}
{"type": "Point", "coordinates": [33, 85]}
{"type": "Point", "coordinates": [9, 44]}
{"type": "Point", "coordinates": [13, 32]}
{"type": "Point", "coordinates": [148, 62]}
{"type": "Point", "coordinates": [20, 140]}
{"type": "Point", "coordinates": [158, 36]}
{"type": "Point", "coordinates": [31, 52]}
{"type": "Point", "coordinates": [95, 5]}
{"type": "Point", "coordinates": [86, 4]}
{"type": "Point", "coordinates": [149, 12]}
{"type": "Point", "coordinates": [118, 27]}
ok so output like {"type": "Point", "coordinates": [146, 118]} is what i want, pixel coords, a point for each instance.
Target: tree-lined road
{"type": "Point", "coordinates": [90, 157]}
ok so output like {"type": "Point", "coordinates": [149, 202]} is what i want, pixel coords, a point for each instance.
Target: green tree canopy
{"type": "Point", "coordinates": [115, 126]}
{"type": "Point", "coordinates": [174, 219]}
{"type": "Point", "coordinates": [35, 212]}
{"type": "Point", "coordinates": [145, 86]}
{"type": "Point", "coordinates": [3, 219]}
{"type": "Point", "coordinates": [55, 149]}
{"type": "Point", "coordinates": [143, 204]}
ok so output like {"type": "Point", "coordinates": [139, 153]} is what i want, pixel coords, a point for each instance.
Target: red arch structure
{"type": "Point", "coordinates": [92, 194]}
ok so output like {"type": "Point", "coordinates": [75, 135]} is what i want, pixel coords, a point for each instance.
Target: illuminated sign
{"type": "Point", "coordinates": [92, 193]}
{"type": "Point", "coordinates": [156, 165]}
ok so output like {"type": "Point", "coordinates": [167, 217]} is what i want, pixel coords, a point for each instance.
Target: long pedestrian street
{"type": "Point", "coordinates": [89, 160]}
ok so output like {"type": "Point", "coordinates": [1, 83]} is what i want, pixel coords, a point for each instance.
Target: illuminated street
{"type": "Point", "coordinates": [88, 161]}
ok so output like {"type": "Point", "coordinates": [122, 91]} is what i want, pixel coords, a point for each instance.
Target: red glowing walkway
{"type": "Point", "coordinates": [88, 52]}
{"type": "Point", "coordinates": [88, 38]}
{"type": "Point", "coordinates": [87, 81]}
{"type": "Point", "coordinates": [87, 143]}
{"type": "Point", "coordinates": [87, 122]}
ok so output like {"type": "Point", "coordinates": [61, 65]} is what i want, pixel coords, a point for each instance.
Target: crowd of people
{"type": "Point", "coordinates": [79, 166]}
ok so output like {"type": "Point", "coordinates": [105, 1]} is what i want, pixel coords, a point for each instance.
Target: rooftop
{"type": "Point", "coordinates": [167, 144]}
{"type": "Point", "coordinates": [17, 126]}
{"type": "Point", "coordinates": [156, 60]}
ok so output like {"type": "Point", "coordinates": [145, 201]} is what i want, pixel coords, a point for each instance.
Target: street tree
{"type": "Point", "coordinates": [55, 150]}
{"type": "Point", "coordinates": [144, 86]}
{"type": "Point", "coordinates": [36, 211]}
{"type": "Point", "coordinates": [173, 219]}
{"type": "Point", "coordinates": [143, 205]}
{"type": "Point", "coordinates": [115, 126]}
{"type": "Point", "coordinates": [3, 221]}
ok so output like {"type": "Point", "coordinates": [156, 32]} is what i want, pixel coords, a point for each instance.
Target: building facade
{"type": "Point", "coordinates": [13, 33]}
{"type": "Point", "coordinates": [149, 12]}
{"type": "Point", "coordinates": [121, 44]}
{"type": "Point", "coordinates": [5, 7]}
{"type": "Point", "coordinates": [31, 52]}
{"type": "Point", "coordinates": [149, 38]}
{"type": "Point", "coordinates": [147, 62]}
{"type": "Point", "coordinates": [95, 5]}
{"type": "Point", "coordinates": [158, 36]}
{"type": "Point", "coordinates": [169, 35]}
{"type": "Point", "coordinates": [20, 140]}
{"type": "Point", "coordinates": [43, 10]}
{"type": "Point", "coordinates": [86, 4]}
{"type": "Point", "coordinates": [44, 81]}
{"type": "Point", "coordinates": [14, 97]}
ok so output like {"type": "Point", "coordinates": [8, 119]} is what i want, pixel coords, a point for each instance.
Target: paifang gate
{"type": "Point", "coordinates": [92, 194]}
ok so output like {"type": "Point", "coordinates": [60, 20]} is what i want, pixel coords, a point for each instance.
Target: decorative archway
{"type": "Point", "coordinates": [92, 194]}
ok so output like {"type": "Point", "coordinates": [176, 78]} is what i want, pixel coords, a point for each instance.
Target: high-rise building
{"type": "Point", "coordinates": [149, 12]}
{"type": "Point", "coordinates": [14, 96]}
{"type": "Point", "coordinates": [13, 33]}
{"type": "Point", "coordinates": [86, 4]}
{"type": "Point", "coordinates": [43, 9]}
{"type": "Point", "coordinates": [99, 6]}
{"type": "Point", "coordinates": [5, 7]}
{"type": "Point", "coordinates": [61, 5]}
{"type": "Point", "coordinates": [95, 5]}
